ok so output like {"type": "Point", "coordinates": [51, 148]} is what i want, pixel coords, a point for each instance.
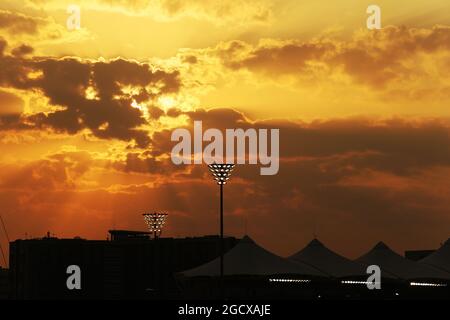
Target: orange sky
{"type": "Point", "coordinates": [86, 116]}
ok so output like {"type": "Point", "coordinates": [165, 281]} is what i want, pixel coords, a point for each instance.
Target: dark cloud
{"type": "Point", "coordinates": [111, 76]}
{"type": "Point", "coordinates": [395, 145]}
{"type": "Point", "coordinates": [144, 162]}
{"type": "Point", "coordinates": [376, 58]}
{"type": "Point", "coordinates": [14, 71]}
{"type": "Point", "coordinates": [155, 112]}
{"type": "Point", "coordinates": [3, 45]}
{"type": "Point", "coordinates": [190, 59]}
{"type": "Point", "coordinates": [22, 50]}
{"type": "Point", "coordinates": [286, 58]}
{"type": "Point", "coordinates": [66, 82]}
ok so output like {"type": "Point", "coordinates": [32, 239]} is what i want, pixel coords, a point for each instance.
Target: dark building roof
{"type": "Point", "coordinates": [440, 258]}
{"type": "Point", "coordinates": [248, 258]}
{"type": "Point", "coordinates": [417, 255]}
{"type": "Point", "coordinates": [128, 235]}
{"type": "Point", "coordinates": [394, 265]}
{"type": "Point", "coordinates": [320, 257]}
{"type": "Point", "coordinates": [120, 269]}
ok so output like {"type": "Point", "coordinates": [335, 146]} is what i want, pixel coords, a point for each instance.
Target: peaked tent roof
{"type": "Point", "coordinates": [440, 258]}
{"type": "Point", "coordinates": [248, 258]}
{"type": "Point", "coordinates": [398, 266]}
{"type": "Point", "coordinates": [319, 256]}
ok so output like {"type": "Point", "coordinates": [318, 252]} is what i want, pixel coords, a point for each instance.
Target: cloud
{"type": "Point", "coordinates": [392, 55]}
{"type": "Point", "coordinates": [392, 144]}
{"type": "Point", "coordinates": [3, 45]}
{"type": "Point", "coordinates": [144, 162]}
{"type": "Point", "coordinates": [11, 107]}
{"type": "Point", "coordinates": [59, 171]}
{"type": "Point", "coordinates": [94, 95]}
{"type": "Point", "coordinates": [10, 104]}
{"type": "Point", "coordinates": [238, 12]}
{"type": "Point", "coordinates": [22, 50]}
{"type": "Point", "coordinates": [17, 23]}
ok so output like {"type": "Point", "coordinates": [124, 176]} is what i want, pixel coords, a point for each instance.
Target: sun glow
{"type": "Point", "coordinates": [166, 102]}
{"type": "Point", "coordinates": [142, 107]}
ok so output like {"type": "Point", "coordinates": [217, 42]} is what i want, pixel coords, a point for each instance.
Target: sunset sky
{"type": "Point", "coordinates": [364, 118]}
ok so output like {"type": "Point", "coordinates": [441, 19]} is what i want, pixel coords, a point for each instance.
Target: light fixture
{"type": "Point", "coordinates": [425, 284]}
{"type": "Point", "coordinates": [289, 280]}
{"type": "Point", "coordinates": [155, 222]}
{"type": "Point", "coordinates": [355, 282]}
{"type": "Point", "coordinates": [221, 172]}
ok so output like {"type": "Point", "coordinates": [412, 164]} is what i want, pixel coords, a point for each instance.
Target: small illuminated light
{"type": "Point", "coordinates": [289, 280]}
{"type": "Point", "coordinates": [425, 284]}
{"type": "Point", "coordinates": [356, 282]}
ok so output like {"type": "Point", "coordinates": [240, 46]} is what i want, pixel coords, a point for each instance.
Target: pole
{"type": "Point", "coordinates": [7, 238]}
{"type": "Point", "coordinates": [4, 228]}
{"type": "Point", "coordinates": [221, 237]}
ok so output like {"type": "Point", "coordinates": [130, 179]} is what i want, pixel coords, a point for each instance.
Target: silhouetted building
{"type": "Point", "coordinates": [129, 266]}
{"type": "Point", "coordinates": [4, 284]}
{"type": "Point", "coordinates": [129, 235]}
{"type": "Point", "coordinates": [133, 266]}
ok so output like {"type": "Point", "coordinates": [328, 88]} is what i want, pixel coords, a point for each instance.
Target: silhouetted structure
{"type": "Point", "coordinates": [133, 266]}
{"type": "Point", "coordinates": [316, 273]}
{"type": "Point", "coordinates": [439, 259]}
{"type": "Point", "coordinates": [251, 272]}
{"type": "Point", "coordinates": [155, 222]}
{"type": "Point", "coordinates": [221, 173]}
{"type": "Point", "coordinates": [4, 284]}
{"type": "Point", "coordinates": [416, 255]}
{"type": "Point", "coordinates": [128, 267]}
{"type": "Point", "coordinates": [122, 235]}
{"type": "Point", "coordinates": [317, 255]}
{"type": "Point", "coordinates": [395, 266]}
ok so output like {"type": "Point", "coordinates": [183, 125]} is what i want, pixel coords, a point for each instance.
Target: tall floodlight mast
{"type": "Point", "coordinates": [221, 173]}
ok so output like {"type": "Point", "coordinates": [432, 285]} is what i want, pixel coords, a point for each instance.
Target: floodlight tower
{"type": "Point", "coordinates": [221, 173]}
{"type": "Point", "coordinates": [155, 222]}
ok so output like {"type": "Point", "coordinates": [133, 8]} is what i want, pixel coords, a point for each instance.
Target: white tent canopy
{"type": "Point", "coordinates": [247, 258]}
{"type": "Point", "coordinates": [439, 259]}
{"type": "Point", "coordinates": [320, 257]}
{"type": "Point", "coordinates": [394, 264]}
